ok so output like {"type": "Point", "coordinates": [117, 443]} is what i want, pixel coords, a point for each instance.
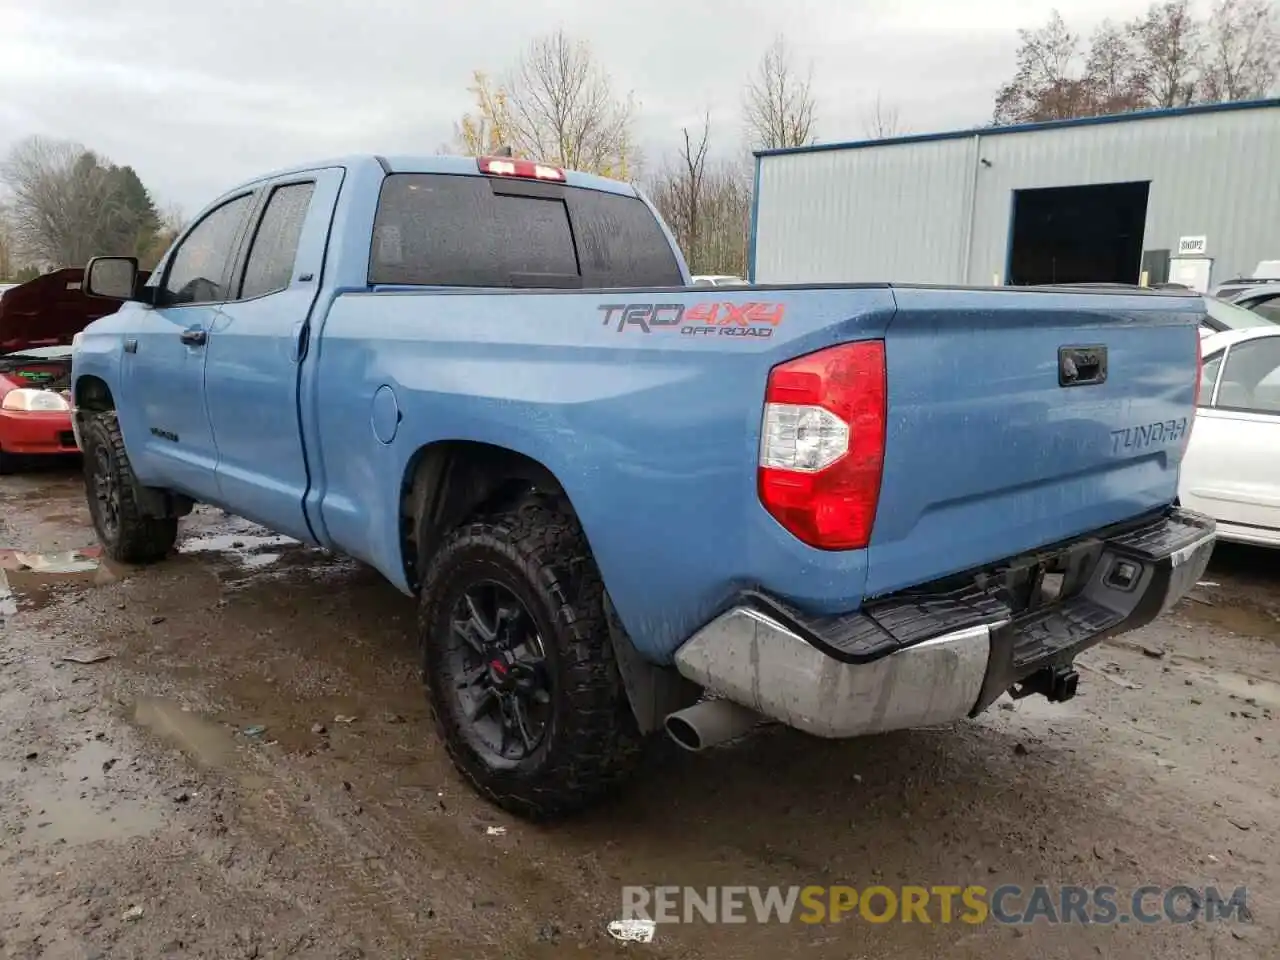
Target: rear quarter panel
{"type": "Point", "coordinates": [652, 429]}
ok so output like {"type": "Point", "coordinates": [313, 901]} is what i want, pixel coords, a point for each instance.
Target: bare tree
{"type": "Point", "coordinates": [67, 205]}
{"type": "Point", "coordinates": [558, 105]}
{"type": "Point", "coordinates": [685, 185]}
{"type": "Point", "coordinates": [779, 103]}
{"type": "Point", "coordinates": [881, 120]}
{"type": "Point", "coordinates": [1242, 51]}
{"type": "Point", "coordinates": [1115, 85]}
{"type": "Point", "coordinates": [706, 205]}
{"type": "Point", "coordinates": [1167, 45]}
{"type": "Point", "coordinates": [1045, 85]}
{"type": "Point", "coordinates": [7, 252]}
{"type": "Point", "coordinates": [489, 129]}
{"type": "Point", "coordinates": [60, 203]}
{"type": "Point", "coordinates": [724, 210]}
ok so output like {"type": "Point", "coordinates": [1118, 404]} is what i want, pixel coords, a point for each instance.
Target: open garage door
{"type": "Point", "coordinates": [1090, 234]}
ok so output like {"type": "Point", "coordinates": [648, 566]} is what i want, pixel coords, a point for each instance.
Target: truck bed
{"type": "Point", "coordinates": [646, 405]}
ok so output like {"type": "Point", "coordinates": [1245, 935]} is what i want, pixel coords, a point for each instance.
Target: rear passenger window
{"type": "Point", "coordinates": [1251, 377]}
{"type": "Point", "coordinates": [275, 245]}
{"type": "Point", "coordinates": [470, 231]}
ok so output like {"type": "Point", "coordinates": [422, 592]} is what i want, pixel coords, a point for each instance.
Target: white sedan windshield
{"type": "Point", "coordinates": [1233, 317]}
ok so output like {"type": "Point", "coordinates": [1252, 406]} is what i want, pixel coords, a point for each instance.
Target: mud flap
{"type": "Point", "coordinates": [653, 691]}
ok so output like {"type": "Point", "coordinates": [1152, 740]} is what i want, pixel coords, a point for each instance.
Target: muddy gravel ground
{"type": "Point", "coordinates": [251, 773]}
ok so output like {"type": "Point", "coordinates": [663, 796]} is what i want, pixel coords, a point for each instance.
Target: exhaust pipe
{"type": "Point", "coordinates": [710, 722]}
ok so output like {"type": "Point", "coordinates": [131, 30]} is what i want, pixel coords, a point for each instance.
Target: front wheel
{"type": "Point", "coordinates": [126, 533]}
{"type": "Point", "coordinates": [519, 666]}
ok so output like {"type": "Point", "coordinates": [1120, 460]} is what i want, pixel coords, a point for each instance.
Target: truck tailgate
{"type": "Point", "coordinates": [1020, 418]}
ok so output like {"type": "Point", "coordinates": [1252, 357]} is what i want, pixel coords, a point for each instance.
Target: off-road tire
{"type": "Point", "coordinates": [592, 743]}
{"type": "Point", "coordinates": [135, 538]}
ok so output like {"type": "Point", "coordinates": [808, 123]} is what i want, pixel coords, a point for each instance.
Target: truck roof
{"type": "Point", "coordinates": [458, 166]}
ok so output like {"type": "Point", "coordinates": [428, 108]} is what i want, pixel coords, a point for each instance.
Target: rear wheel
{"type": "Point", "coordinates": [126, 533]}
{"type": "Point", "coordinates": [519, 665]}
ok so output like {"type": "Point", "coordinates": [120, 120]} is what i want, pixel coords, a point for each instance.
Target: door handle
{"type": "Point", "coordinates": [194, 338]}
{"type": "Point", "coordinates": [1082, 366]}
{"type": "Point", "coordinates": [298, 349]}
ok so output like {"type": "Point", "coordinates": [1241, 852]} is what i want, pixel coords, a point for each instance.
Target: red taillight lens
{"type": "Point", "coordinates": [507, 167]}
{"type": "Point", "coordinates": [822, 444]}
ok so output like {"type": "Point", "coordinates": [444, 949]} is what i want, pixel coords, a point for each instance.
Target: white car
{"type": "Point", "coordinates": [1231, 470]}
{"type": "Point", "coordinates": [1263, 300]}
{"type": "Point", "coordinates": [717, 280]}
{"type": "Point", "coordinates": [1221, 316]}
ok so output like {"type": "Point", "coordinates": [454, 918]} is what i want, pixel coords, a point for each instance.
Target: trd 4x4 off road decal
{"type": "Point", "coordinates": [697, 319]}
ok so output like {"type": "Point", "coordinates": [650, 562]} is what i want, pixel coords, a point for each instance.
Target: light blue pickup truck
{"type": "Point", "coordinates": [626, 502]}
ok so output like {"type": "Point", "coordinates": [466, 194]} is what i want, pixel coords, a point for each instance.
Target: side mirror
{"type": "Point", "coordinates": [113, 278]}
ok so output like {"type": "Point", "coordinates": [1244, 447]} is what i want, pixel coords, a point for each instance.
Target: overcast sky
{"type": "Point", "coordinates": [198, 95]}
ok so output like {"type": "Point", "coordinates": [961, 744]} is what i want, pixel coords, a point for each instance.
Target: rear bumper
{"type": "Point", "coordinates": [946, 651]}
{"type": "Point", "coordinates": [25, 433]}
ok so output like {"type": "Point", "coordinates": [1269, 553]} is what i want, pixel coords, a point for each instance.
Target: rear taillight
{"type": "Point", "coordinates": [507, 167]}
{"type": "Point", "coordinates": [822, 444]}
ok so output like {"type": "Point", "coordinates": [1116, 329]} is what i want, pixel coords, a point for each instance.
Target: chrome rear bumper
{"type": "Point", "coordinates": [935, 658]}
{"type": "Point", "coordinates": [755, 661]}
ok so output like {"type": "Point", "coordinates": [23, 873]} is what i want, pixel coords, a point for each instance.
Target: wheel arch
{"type": "Point", "coordinates": [93, 395]}
{"type": "Point", "coordinates": [449, 480]}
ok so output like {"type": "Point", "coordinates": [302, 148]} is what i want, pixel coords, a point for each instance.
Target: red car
{"type": "Point", "coordinates": [37, 321]}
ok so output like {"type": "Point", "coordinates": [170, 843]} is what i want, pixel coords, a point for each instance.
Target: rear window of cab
{"type": "Point", "coordinates": [474, 231]}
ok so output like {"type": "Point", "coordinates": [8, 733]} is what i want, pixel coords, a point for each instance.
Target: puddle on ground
{"type": "Point", "coordinates": [78, 802]}
{"type": "Point", "coordinates": [249, 550]}
{"type": "Point", "coordinates": [204, 741]}
{"type": "Point", "coordinates": [33, 580]}
{"type": "Point", "coordinates": [1243, 619]}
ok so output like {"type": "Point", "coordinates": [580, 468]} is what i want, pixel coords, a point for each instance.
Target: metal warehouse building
{"type": "Point", "coordinates": [1189, 195]}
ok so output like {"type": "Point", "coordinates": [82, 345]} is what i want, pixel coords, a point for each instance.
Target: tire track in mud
{"type": "Point", "coordinates": [297, 818]}
{"type": "Point", "coordinates": [396, 865]}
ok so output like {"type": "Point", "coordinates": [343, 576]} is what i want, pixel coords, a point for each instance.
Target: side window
{"type": "Point", "coordinates": [275, 245]}
{"type": "Point", "coordinates": [1269, 308]}
{"type": "Point", "coordinates": [1251, 377]}
{"type": "Point", "coordinates": [1209, 377]}
{"type": "Point", "coordinates": [197, 268]}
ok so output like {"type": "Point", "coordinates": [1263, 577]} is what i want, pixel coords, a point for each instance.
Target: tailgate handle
{"type": "Point", "coordinates": [1082, 366]}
